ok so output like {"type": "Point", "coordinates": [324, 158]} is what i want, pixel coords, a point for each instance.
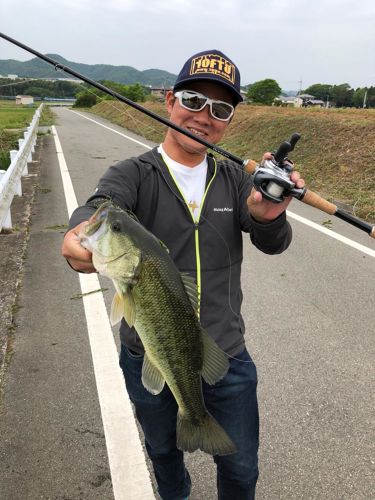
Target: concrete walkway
{"type": "Point", "coordinates": [310, 315]}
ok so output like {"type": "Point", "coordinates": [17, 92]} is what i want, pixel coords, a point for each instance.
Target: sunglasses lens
{"type": "Point", "coordinates": [196, 102]}
{"type": "Point", "coordinates": [193, 101]}
{"type": "Point", "coordinates": [221, 110]}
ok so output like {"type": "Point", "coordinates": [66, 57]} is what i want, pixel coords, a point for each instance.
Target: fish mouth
{"type": "Point", "coordinates": [97, 220]}
{"type": "Point", "coordinates": [95, 224]}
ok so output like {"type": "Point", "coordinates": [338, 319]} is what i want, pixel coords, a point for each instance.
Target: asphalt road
{"type": "Point", "coordinates": [310, 329]}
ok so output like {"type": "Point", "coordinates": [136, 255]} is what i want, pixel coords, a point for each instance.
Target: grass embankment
{"type": "Point", "coordinates": [336, 154]}
{"type": "Point", "coordinates": [13, 120]}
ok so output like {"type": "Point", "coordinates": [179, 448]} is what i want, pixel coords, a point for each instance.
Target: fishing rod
{"type": "Point", "coordinates": [124, 99]}
{"type": "Point", "coordinates": [272, 178]}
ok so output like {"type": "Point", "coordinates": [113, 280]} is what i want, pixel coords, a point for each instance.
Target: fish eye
{"type": "Point", "coordinates": [115, 226]}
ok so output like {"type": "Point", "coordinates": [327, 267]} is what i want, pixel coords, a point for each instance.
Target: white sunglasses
{"type": "Point", "coordinates": [193, 101]}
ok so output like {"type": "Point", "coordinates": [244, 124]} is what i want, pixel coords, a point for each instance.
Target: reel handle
{"type": "Point", "coordinates": [285, 148]}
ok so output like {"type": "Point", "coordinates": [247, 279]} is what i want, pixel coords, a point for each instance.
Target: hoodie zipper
{"type": "Point", "coordinates": [196, 225]}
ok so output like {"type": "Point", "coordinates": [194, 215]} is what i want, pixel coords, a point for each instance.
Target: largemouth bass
{"type": "Point", "coordinates": [161, 304]}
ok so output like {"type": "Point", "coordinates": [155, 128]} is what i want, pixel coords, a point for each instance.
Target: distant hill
{"type": "Point", "coordinates": [36, 68]}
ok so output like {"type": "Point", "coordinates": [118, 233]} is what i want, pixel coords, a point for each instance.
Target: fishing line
{"type": "Point", "coordinates": [12, 84]}
{"type": "Point", "coordinates": [124, 111]}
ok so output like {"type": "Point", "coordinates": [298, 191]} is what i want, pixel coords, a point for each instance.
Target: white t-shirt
{"type": "Point", "coordinates": [190, 180]}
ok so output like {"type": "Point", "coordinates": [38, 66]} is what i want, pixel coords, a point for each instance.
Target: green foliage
{"type": "Point", "coordinates": [136, 92]}
{"type": "Point", "coordinates": [85, 100]}
{"type": "Point", "coordinates": [4, 159]}
{"type": "Point", "coordinates": [320, 91]}
{"type": "Point", "coordinates": [364, 97]}
{"type": "Point", "coordinates": [342, 95]}
{"type": "Point", "coordinates": [38, 88]}
{"type": "Point", "coordinates": [264, 91]}
{"type": "Point", "coordinates": [358, 97]}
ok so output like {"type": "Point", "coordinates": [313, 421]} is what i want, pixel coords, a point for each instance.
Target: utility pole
{"type": "Point", "coordinates": [364, 99]}
{"type": "Point", "coordinates": [300, 86]}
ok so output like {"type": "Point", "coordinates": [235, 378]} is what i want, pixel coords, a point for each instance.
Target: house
{"type": "Point", "coordinates": [301, 101]}
{"type": "Point", "coordinates": [316, 103]}
{"type": "Point", "coordinates": [25, 99]}
{"type": "Point", "coordinates": [159, 92]}
{"type": "Point", "coordinates": [283, 100]}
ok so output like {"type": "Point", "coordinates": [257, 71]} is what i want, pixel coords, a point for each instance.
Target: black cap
{"type": "Point", "coordinates": [213, 66]}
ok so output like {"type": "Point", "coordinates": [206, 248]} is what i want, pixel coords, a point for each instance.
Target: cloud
{"type": "Point", "coordinates": [289, 40]}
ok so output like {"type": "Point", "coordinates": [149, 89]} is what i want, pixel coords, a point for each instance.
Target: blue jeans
{"type": "Point", "coordinates": [232, 402]}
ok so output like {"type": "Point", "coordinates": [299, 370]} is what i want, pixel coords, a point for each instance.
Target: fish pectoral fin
{"type": "Point", "coordinates": [117, 309]}
{"type": "Point", "coordinates": [152, 379]}
{"type": "Point", "coordinates": [215, 362]}
{"type": "Point", "coordinates": [129, 309]}
{"type": "Point", "coordinates": [123, 306]}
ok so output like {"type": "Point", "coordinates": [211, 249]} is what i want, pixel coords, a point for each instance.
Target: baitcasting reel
{"type": "Point", "coordinates": [272, 178]}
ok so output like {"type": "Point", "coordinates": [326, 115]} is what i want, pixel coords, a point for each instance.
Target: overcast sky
{"type": "Point", "coordinates": [315, 41]}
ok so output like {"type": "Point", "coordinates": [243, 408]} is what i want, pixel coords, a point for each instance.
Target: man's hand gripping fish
{"type": "Point", "coordinates": [161, 304]}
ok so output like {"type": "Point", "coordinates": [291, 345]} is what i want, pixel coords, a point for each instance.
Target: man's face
{"type": "Point", "coordinates": [202, 122]}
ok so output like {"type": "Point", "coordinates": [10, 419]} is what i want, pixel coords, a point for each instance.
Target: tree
{"type": "Point", "coordinates": [359, 97]}
{"type": "Point", "coordinates": [321, 91]}
{"type": "Point", "coordinates": [135, 92]}
{"type": "Point", "coordinates": [370, 101]}
{"type": "Point", "coordinates": [342, 95]}
{"type": "Point", "coordinates": [264, 91]}
{"type": "Point", "coordinates": [85, 100]}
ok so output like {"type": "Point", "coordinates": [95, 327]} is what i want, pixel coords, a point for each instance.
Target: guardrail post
{"type": "Point", "coordinates": [10, 179]}
{"type": "Point", "coordinates": [29, 129]}
{"type": "Point", "coordinates": [26, 135]}
{"type": "Point", "coordinates": [7, 223]}
{"type": "Point", "coordinates": [18, 191]}
{"type": "Point", "coordinates": [20, 142]}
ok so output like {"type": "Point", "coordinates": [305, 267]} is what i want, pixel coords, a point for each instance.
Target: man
{"type": "Point", "coordinates": [199, 208]}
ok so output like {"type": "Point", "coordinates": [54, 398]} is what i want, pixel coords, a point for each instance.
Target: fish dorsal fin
{"type": "Point", "coordinates": [131, 214]}
{"type": "Point", "coordinates": [123, 306]}
{"type": "Point", "coordinates": [152, 379]}
{"type": "Point", "coordinates": [215, 362]}
{"type": "Point", "coordinates": [191, 289]}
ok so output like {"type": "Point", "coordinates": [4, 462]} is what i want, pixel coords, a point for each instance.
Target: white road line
{"type": "Point", "coordinates": [313, 225]}
{"type": "Point", "coordinates": [130, 476]}
{"type": "Point", "coordinates": [113, 130]}
{"type": "Point", "coordinates": [332, 234]}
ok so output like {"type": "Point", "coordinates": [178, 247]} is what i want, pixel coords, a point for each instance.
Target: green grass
{"type": "Point", "coordinates": [13, 120]}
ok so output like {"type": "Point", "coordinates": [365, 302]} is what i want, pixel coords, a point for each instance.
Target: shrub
{"type": "Point", "coordinates": [85, 100]}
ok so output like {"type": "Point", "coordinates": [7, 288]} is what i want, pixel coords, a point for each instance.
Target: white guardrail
{"type": "Point", "coordinates": [10, 179]}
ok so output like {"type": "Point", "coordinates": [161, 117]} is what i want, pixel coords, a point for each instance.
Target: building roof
{"type": "Point", "coordinates": [305, 96]}
{"type": "Point", "coordinates": [316, 101]}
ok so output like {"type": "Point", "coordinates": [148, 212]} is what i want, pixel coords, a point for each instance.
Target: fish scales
{"type": "Point", "coordinates": [172, 342]}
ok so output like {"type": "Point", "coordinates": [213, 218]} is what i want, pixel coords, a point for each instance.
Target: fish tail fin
{"type": "Point", "coordinates": [206, 435]}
